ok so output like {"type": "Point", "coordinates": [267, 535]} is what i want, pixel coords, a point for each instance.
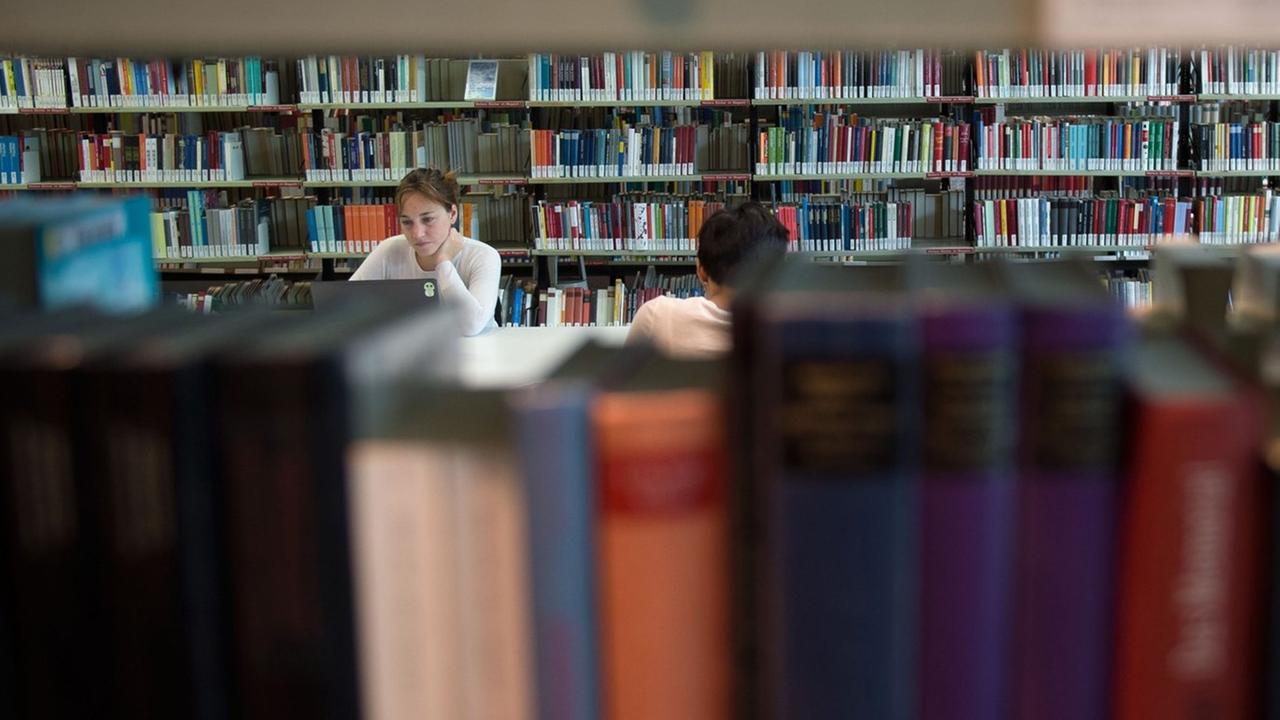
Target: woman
{"type": "Point", "coordinates": [466, 270]}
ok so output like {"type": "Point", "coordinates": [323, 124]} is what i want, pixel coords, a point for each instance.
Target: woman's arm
{"type": "Point", "coordinates": [475, 296]}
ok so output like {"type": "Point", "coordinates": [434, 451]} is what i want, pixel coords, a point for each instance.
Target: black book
{"type": "Point", "coordinates": [52, 564]}
{"type": "Point", "coordinates": [287, 405]}
{"type": "Point", "coordinates": [151, 463]}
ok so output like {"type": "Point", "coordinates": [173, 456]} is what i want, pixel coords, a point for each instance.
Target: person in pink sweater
{"type": "Point", "coordinates": [699, 327]}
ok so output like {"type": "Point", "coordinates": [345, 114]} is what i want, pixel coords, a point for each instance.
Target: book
{"type": "Point", "coordinates": [287, 407]}
{"type": "Point", "coordinates": [81, 250]}
{"type": "Point", "coordinates": [482, 80]}
{"type": "Point", "coordinates": [1073, 348]}
{"type": "Point", "coordinates": [1188, 620]}
{"type": "Point", "coordinates": [969, 394]}
{"type": "Point", "coordinates": [836, 431]}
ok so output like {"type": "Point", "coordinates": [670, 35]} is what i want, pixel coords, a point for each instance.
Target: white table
{"type": "Point", "coordinates": [515, 356]}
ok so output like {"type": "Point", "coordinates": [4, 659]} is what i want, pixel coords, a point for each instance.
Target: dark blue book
{"type": "Point", "coordinates": [838, 374]}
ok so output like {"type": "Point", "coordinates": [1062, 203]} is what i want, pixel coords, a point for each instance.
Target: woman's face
{"type": "Point", "coordinates": [425, 223]}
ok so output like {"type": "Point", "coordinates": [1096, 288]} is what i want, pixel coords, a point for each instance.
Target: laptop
{"type": "Point", "coordinates": [327, 293]}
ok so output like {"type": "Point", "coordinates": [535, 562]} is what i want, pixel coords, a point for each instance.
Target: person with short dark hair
{"type": "Point", "coordinates": [699, 327]}
{"type": "Point", "coordinates": [466, 270]}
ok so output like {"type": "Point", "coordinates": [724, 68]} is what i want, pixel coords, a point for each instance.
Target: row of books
{"type": "Point", "coordinates": [612, 306]}
{"type": "Point", "coordinates": [205, 225]}
{"type": "Point", "coordinates": [617, 152]}
{"type": "Point", "coordinates": [629, 222]}
{"type": "Point", "coordinates": [1023, 73]}
{"type": "Point", "coordinates": [935, 215]}
{"type": "Point", "coordinates": [976, 524]}
{"type": "Point", "coordinates": [464, 146]}
{"type": "Point", "coordinates": [840, 74]}
{"type": "Point", "coordinates": [1132, 290]}
{"type": "Point", "coordinates": [1074, 222]}
{"type": "Point", "coordinates": [225, 156]}
{"type": "Point", "coordinates": [270, 292]}
{"type": "Point", "coordinates": [1236, 219]}
{"type": "Point", "coordinates": [1253, 146]}
{"type": "Point", "coordinates": [19, 160]}
{"type": "Point", "coordinates": [1010, 186]}
{"type": "Point", "coordinates": [907, 74]}
{"type": "Point", "coordinates": [838, 143]}
{"type": "Point", "coordinates": [1086, 143]}
{"type": "Point", "coordinates": [349, 79]}
{"type": "Point", "coordinates": [159, 83]}
{"type": "Point", "coordinates": [32, 82]}
{"type": "Point", "coordinates": [622, 76]}
{"type": "Point", "coordinates": [1236, 71]}
{"type": "Point", "coordinates": [853, 227]}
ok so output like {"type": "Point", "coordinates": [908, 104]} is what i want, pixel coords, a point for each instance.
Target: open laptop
{"type": "Point", "coordinates": [327, 293]}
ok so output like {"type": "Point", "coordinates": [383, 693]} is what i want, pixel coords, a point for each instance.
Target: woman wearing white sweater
{"type": "Point", "coordinates": [466, 271]}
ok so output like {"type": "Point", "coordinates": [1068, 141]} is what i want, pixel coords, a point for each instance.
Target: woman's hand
{"type": "Point", "coordinates": [449, 249]}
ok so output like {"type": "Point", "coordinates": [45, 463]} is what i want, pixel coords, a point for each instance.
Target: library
{"type": "Point", "coordinates": [705, 360]}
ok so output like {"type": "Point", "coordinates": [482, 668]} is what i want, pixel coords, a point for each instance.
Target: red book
{"type": "Point", "coordinates": [937, 149]}
{"type": "Point", "coordinates": [1190, 544]}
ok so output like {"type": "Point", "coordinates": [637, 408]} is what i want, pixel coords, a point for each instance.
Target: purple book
{"type": "Point", "coordinates": [970, 397]}
{"type": "Point", "coordinates": [1073, 344]}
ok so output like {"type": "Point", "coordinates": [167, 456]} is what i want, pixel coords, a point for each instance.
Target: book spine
{"type": "Point", "coordinates": [552, 441]}
{"type": "Point", "coordinates": [1188, 613]}
{"type": "Point", "coordinates": [1066, 505]}
{"type": "Point", "coordinates": [970, 402]}
{"type": "Point", "coordinates": [837, 484]}
{"type": "Point", "coordinates": [663, 525]}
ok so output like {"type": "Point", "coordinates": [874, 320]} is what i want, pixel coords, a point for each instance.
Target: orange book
{"type": "Point", "coordinates": [348, 222]}
{"type": "Point", "coordinates": [663, 528]}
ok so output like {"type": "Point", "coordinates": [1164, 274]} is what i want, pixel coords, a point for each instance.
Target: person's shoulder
{"type": "Point", "coordinates": [668, 305]}
{"type": "Point", "coordinates": [394, 245]}
{"type": "Point", "coordinates": [482, 250]}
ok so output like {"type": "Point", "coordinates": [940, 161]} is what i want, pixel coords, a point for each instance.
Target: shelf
{"type": "Point", "coordinates": [862, 176]}
{"type": "Point", "coordinates": [1082, 99]}
{"type": "Point", "coordinates": [615, 253]}
{"type": "Point", "coordinates": [256, 183]}
{"type": "Point", "coordinates": [939, 100]}
{"type": "Point", "coordinates": [419, 105]}
{"type": "Point", "coordinates": [718, 103]}
{"type": "Point", "coordinates": [139, 109]}
{"type": "Point", "coordinates": [1072, 249]}
{"type": "Point", "coordinates": [697, 177]}
{"type": "Point", "coordinates": [1236, 96]}
{"type": "Point", "coordinates": [1087, 173]}
{"type": "Point", "coordinates": [272, 257]}
{"type": "Point", "coordinates": [1236, 173]}
{"type": "Point", "coordinates": [338, 255]}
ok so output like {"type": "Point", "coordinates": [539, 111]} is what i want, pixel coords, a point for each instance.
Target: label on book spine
{"type": "Point", "coordinates": [840, 416]}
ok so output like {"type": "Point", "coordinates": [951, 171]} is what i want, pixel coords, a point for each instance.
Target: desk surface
{"type": "Point", "coordinates": [515, 356]}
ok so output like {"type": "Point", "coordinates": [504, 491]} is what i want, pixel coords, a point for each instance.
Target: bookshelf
{"type": "Point", "coordinates": [901, 95]}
